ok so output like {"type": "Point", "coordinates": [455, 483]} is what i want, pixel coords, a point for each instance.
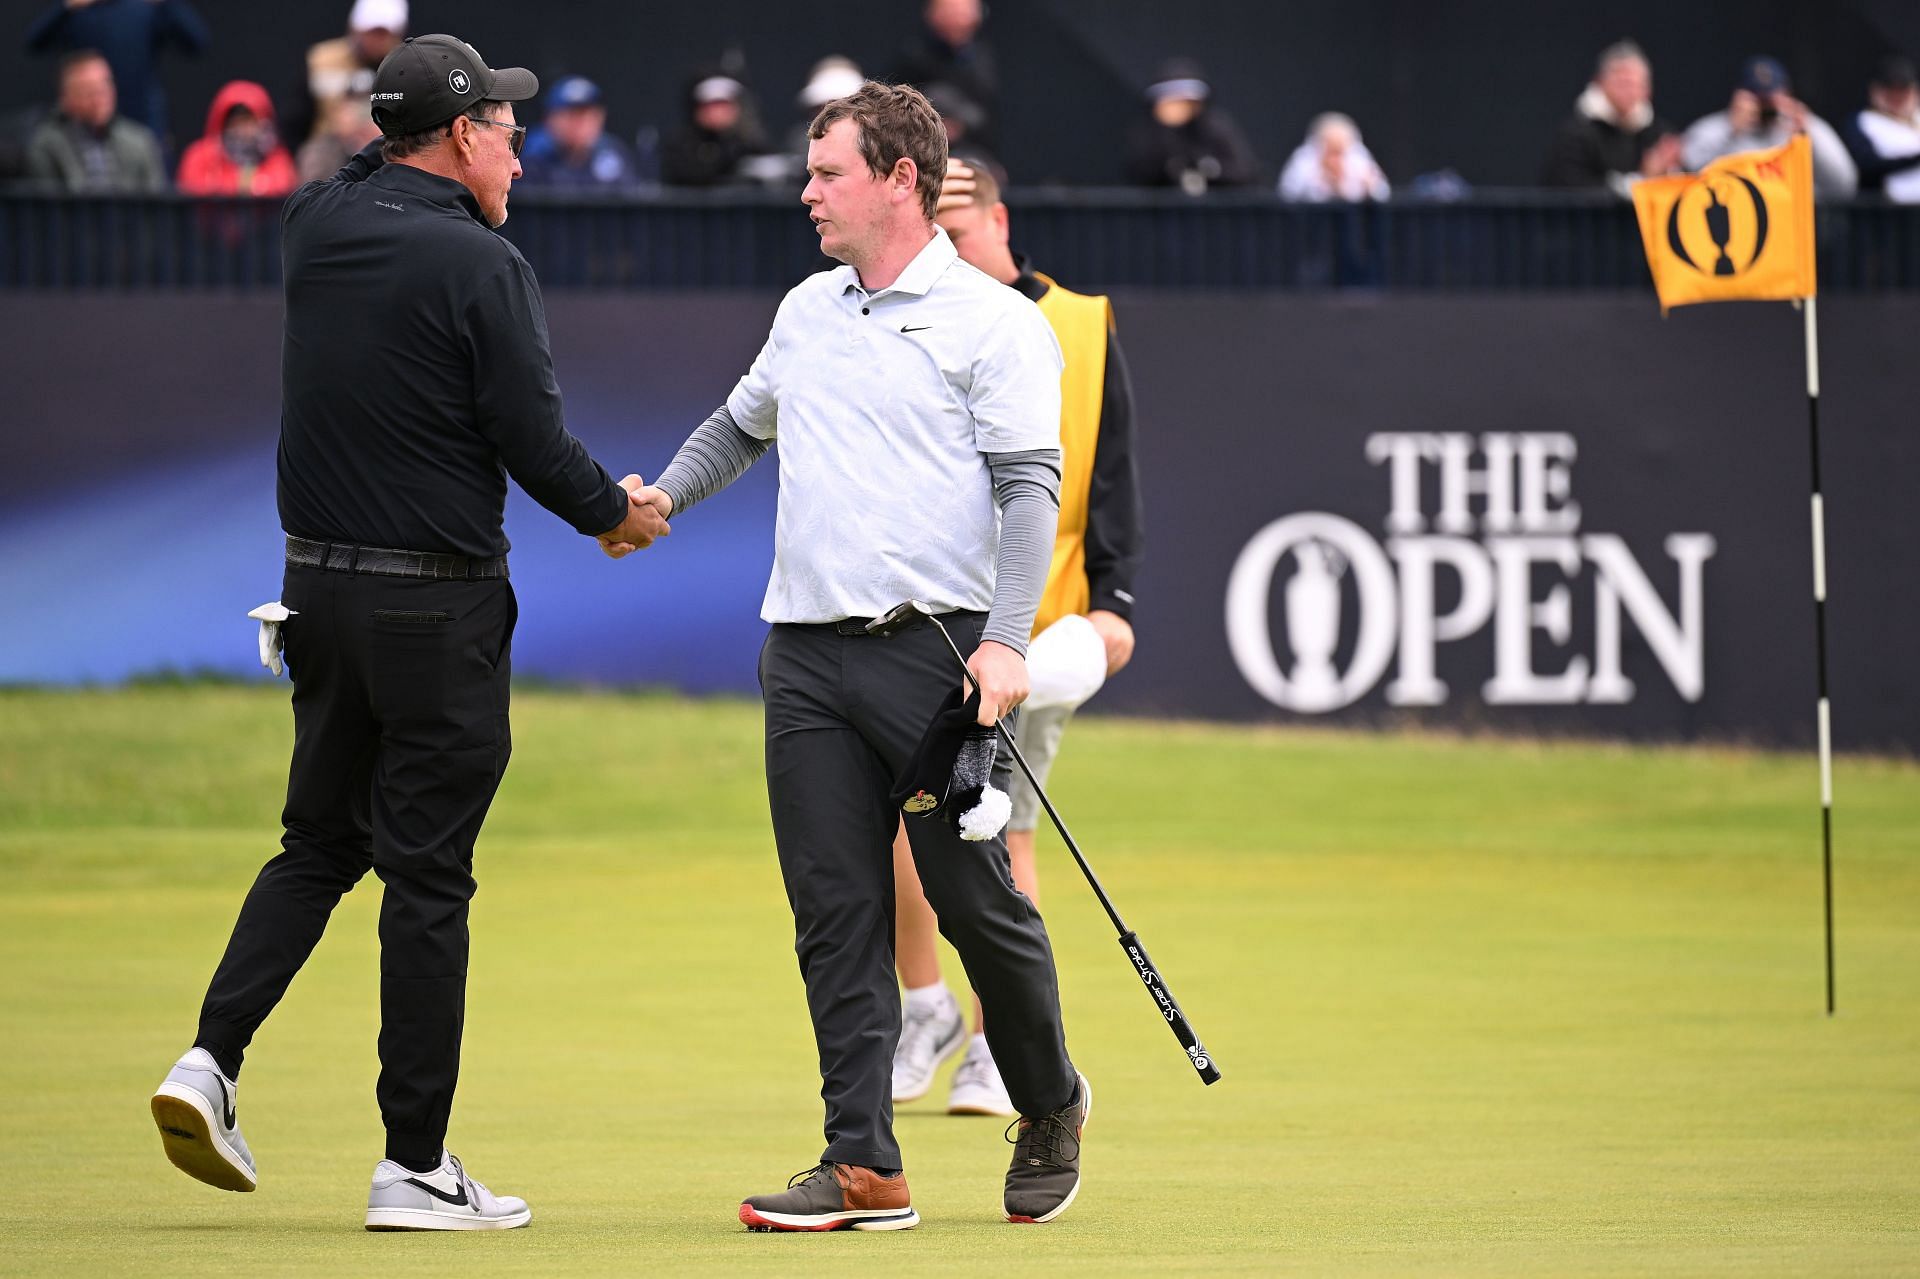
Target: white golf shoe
{"type": "Point", "coordinates": [194, 1109]}
{"type": "Point", "coordinates": [444, 1199]}
{"type": "Point", "coordinates": [928, 1037]}
{"type": "Point", "coordinates": [977, 1087]}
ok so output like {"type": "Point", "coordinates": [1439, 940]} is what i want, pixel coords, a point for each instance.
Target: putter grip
{"type": "Point", "coordinates": [1197, 1053]}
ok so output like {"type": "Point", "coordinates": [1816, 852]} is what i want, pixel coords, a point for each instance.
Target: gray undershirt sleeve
{"type": "Point", "coordinates": [714, 456]}
{"type": "Point", "coordinates": [1026, 487]}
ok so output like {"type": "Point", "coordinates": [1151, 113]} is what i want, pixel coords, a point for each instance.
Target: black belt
{"type": "Point", "coordinates": [858, 625]}
{"type": "Point", "coordinates": [341, 557]}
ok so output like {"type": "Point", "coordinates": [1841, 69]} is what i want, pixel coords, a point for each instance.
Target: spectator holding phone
{"type": "Point", "coordinates": [1765, 114]}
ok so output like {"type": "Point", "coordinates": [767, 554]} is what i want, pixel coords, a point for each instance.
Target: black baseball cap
{"type": "Point", "coordinates": [431, 79]}
{"type": "Point", "coordinates": [1763, 75]}
{"type": "Point", "coordinates": [1895, 71]}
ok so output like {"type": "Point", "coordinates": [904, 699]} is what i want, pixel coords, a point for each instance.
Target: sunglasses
{"type": "Point", "coordinates": [516, 138]}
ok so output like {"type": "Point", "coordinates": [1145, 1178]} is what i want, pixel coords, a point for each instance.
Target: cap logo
{"type": "Point", "coordinates": [458, 81]}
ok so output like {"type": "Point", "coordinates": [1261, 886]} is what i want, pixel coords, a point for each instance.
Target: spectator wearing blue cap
{"type": "Point", "coordinates": [1764, 114]}
{"type": "Point", "coordinates": [571, 149]}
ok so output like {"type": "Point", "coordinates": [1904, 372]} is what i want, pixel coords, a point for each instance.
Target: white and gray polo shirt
{"type": "Point", "coordinates": [885, 406]}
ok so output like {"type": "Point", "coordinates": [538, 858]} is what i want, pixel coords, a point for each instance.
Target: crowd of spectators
{"type": "Point", "coordinates": [105, 129]}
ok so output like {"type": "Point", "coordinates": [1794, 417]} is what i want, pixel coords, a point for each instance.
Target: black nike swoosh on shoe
{"type": "Point", "coordinates": [457, 1200]}
{"type": "Point", "coordinates": [226, 1104]}
{"type": "Point", "coordinates": [915, 328]}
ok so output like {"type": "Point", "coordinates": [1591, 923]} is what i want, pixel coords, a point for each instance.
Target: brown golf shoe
{"type": "Point", "coordinates": [834, 1197]}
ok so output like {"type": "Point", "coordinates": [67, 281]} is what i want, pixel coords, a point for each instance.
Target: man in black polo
{"type": "Point", "coordinates": [416, 379]}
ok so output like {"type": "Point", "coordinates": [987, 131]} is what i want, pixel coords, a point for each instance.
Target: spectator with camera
{"type": "Point", "coordinates": [1764, 114]}
{"type": "Point", "coordinates": [1184, 140]}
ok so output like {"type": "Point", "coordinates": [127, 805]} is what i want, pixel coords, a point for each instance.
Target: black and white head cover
{"type": "Point", "coordinates": [950, 775]}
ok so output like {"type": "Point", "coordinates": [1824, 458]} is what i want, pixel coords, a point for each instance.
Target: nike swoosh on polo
{"type": "Point", "coordinates": [914, 328]}
{"type": "Point", "coordinates": [457, 1200]}
{"type": "Point", "coordinates": [226, 1103]}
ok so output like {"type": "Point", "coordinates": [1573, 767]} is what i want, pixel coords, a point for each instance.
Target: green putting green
{"type": "Point", "coordinates": [1482, 1007]}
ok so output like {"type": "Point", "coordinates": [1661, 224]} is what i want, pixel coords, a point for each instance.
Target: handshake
{"type": "Point", "coordinates": [647, 511]}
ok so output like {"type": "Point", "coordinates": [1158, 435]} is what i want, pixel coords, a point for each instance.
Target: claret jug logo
{"type": "Point", "coordinates": [1318, 608]}
{"type": "Point", "coordinates": [1718, 226]}
{"type": "Point", "coordinates": [1741, 229]}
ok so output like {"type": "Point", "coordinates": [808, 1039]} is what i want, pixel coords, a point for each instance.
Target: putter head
{"type": "Point", "coordinates": [899, 616]}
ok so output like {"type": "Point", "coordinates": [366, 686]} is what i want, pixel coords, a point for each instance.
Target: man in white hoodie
{"type": "Point", "coordinates": [1764, 114]}
{"type": "Point", "coordinates": [1613, 138]}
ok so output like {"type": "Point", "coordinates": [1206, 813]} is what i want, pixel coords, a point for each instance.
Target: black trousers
{"type": "Point", "coordinates": [400, 740]}
{"type": "Point", "coordinates": [843, 713]}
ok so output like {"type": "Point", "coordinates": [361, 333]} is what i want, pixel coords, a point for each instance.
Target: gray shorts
{"type": "Point", "coordinates": [1038, 737]}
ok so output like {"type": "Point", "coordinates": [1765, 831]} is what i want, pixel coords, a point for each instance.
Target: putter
{"type": "Point", "coordinates": [898, 618]}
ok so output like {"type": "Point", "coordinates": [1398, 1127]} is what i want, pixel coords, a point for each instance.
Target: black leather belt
{"type": "Point", "coordinates": [382, 561]}
{"type": "Point", "coordinates": [858, 625]}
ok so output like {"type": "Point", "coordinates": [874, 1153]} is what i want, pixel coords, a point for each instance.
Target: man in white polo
{"type": "Point", "coordinates": [916, 403]}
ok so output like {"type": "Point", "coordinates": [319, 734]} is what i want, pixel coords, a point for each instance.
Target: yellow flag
{"type": "Point", "coordinates": [1741, 229]}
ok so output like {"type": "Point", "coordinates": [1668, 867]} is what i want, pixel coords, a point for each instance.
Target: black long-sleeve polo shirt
{"type": "Point", "coordinates": [415, 372]}
{"type": "Point", "coordinates": [1115, 533]}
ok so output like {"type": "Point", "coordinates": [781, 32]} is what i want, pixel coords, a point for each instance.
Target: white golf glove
{"type": "Point", "coordinates": [271, 641]}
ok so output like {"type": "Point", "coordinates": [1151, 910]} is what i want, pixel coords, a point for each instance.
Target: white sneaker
{"type": "Point", "coordinates": [927, 1038]}
{"type": "Point", "coordinates": [444, 1199]}
{"type": "Point", "coordinates": [977, 1088]}
{"type": "Point", "coordinates": [194, 1108]}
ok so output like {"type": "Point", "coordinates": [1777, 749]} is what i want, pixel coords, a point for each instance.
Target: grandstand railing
{"type": "Point", "coordinates": [1504, 241]}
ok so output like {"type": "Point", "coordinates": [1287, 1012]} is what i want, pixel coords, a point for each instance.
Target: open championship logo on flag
{"type": "Point", "coordinates": [1736, 228]}
{"type": "Point", "coordinates": [1739, 230]}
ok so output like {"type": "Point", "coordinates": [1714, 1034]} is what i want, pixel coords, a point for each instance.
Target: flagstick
{"type": "Point", "coordinates": [1820, 636]}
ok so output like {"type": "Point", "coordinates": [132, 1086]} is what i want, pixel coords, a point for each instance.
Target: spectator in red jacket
{"type": "Point", "coordinates": [240, 153]}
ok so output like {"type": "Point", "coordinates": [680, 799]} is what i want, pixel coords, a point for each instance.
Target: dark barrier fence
{"type": "Point", "coordinates": [1528, 513]}
{"type": "Point", "coordinates": [1519, 241]}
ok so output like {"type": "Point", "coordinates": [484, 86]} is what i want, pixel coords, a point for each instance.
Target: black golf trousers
{"type": "Point", "coordinates": [400, 740]}
{"type": "Point", "coordinates": [843, 714]}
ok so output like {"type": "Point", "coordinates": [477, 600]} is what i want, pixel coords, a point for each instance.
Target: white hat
{"type": "Point", "coordinates": [378, 15]}
{"type": "Point", "coordinates": [834, 77]}
{"type": "Point", "coordinates": [1066, 664]}
{"type": "Point", "coordinates": [718, 88]}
